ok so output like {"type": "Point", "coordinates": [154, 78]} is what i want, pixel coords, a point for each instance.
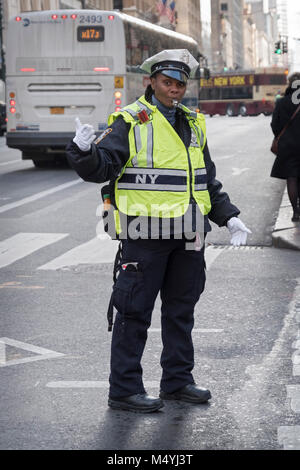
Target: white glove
{"type": "Point", "coordinates": [238, 231]}
{"type": "Point", "coordinates": [85, 134]}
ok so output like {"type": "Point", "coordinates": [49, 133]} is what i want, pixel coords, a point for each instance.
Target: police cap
{"type": "Point", "coordinates": [175, 63]}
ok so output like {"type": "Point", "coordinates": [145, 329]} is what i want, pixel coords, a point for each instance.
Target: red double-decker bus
{"type": "Point", "coordinates": [242, 93]}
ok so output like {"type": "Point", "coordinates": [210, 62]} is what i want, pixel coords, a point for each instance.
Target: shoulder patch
{"type": "Point", "coordinates": [104, 134]}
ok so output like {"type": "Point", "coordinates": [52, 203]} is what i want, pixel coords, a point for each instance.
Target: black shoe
{"type": "Point", "coordinates": [191, 393]}
{"type": "Point", "coordinates": [140, 403]}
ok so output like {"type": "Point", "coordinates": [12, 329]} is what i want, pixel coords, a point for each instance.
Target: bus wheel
{"type": "Point", "coordinates": [243, 110]}
{"type": "Point", "coordinates": [229, 110]}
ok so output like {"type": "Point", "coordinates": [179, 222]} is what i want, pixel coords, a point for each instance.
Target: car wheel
{"type": "Point", "coordinates": [243, 110]}
{"type": "Point", "coordinates": [229, 110]}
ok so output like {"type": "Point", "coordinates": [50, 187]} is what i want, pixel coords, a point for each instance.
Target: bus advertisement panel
{"type": "Point", "coordinates": [67, 63]}
{"type": "Point", "coordinates": [243, 93]}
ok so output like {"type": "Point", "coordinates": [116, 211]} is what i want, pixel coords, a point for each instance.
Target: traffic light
{"type": "Point", "coordinates": [284, 47]}
{"type": "Point", "coordinates": [278, 49]}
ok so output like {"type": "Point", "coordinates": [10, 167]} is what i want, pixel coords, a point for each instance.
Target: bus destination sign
{"type": "Point", "coordinates": [90, 33]}
{"type": "Point", "coordinates": [230, 80]}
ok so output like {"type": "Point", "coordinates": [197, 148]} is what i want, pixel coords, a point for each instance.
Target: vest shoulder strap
{"type": "Point", "coordinates": [133, 113]}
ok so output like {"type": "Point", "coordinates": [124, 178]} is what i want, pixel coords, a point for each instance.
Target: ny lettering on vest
{"type": "Point", "coordinates": [143, 178]}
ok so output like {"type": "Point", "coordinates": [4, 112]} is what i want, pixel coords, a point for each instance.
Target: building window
{"type": "Point", "coordinates": [224, 6]}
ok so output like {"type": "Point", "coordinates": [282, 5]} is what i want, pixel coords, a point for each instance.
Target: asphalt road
{"type": "Point", "coordinates": [55, 283]}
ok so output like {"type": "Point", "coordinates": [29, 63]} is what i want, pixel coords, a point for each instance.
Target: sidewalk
{"type": "Point", "coordinates": [286, 234]}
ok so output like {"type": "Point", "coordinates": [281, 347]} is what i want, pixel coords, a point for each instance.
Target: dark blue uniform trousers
{"type": "Point", "coordinates": [179, 274]}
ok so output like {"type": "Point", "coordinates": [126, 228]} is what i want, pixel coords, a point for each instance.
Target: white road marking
{"type": "Point", "coordinates": [35, 197]}
{"type": "Point", "coordinates": [103, 250]}
{"type": "Point", "coordinates": [12, 161]}
{"type": "Point", "coordinates": [293, 393]}
{"type": "Point", "coordinates": [23, 244]}
{"type": "Point", "coordinates": [95, 251]}
{"type": "Point", "coordinates": [289, 437]}
{"type": "Point", "coordinates": [239, 171]}
{"type": "Point", "coordinates": [42, 353]}
{"type": "Point", "coordinates": [296, 354]}
{"type": "Point", "coordinates": [2, 353]}
{"type": "Point", "coordinates": [211, 255]}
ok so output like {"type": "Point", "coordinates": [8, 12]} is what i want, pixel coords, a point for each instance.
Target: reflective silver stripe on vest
{"type": "Point", "coordinates": [153, 187]}
{"type": "Point", "coordinates": [201, 138]}
{"type": "Point", "coordinates": [149, 134]}
{"type": "Point", "coordinates": [149, 145]}
{"type": "Point", "coordinates": [200, 171]}
{"type": "Point", "coordinates": [156, 171]}
{"type": "Point", "coordinates": [146, 179]}
{"type": "Point", "coordinates": [143, 106]}
{"type": "Point", "coordinates": [132, 113]}
{"type": "Point", "coordinates": [138, 144]}
{"type": "Point", "coordinates": [194, 141]}
{"type": "Point", "coordinates": [200, 187]}
{"type": "Point", "coordinates": [200, 134]}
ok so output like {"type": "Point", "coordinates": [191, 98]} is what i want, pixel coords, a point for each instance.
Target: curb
{"type": "Point", "coordinates": [286, 234]}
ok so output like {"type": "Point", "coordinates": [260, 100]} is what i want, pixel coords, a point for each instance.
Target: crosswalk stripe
{"type": "Point", "coordinates": [211, 255]}
{"type": "Point", "coordinates": [289, 437]}
{"type": "Point", "coordinates": [22, 244]}
{"type": "Point", "coordinates": [95, 251]}
{"type": "Point", "coordinates": [98, 251]}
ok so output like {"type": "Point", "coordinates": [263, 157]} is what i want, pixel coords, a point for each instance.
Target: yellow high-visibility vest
{"type": "Point", "coordinates": [161, 175]}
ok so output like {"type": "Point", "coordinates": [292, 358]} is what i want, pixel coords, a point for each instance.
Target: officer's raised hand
{"type": "Point", "coordinates": [238, 231]}
{"type": "Point", "coordinates": [85, 134]}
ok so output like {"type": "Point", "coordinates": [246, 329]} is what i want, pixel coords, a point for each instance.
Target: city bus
{"type": "Point", "coordinates": [242, 93]}
{"type": "Point", "coordinates": [67, 63]}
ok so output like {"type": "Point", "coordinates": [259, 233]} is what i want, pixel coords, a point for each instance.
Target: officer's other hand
{"type": "Point", "coordinates": [85, 134]}
{"type": "Point", "coordinates": [238, 231]}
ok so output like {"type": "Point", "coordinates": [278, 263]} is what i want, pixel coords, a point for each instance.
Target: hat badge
{"type": "Point", "coordinates": [185, 57]}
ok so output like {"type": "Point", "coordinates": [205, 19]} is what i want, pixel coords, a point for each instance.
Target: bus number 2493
{"type": "Point", "coordinates": [91, 19]}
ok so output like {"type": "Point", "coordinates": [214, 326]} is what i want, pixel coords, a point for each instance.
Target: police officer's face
{"type": "Point", "coordinates": [167, 89]}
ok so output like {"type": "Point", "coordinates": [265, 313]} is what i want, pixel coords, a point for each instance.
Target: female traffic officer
{"type": "Point", "coordinates": [164, 190]}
